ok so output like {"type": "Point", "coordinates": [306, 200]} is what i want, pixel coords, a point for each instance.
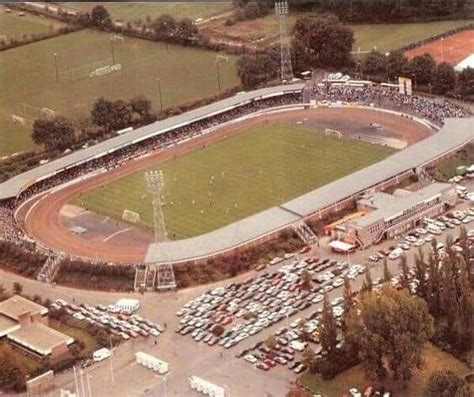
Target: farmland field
{"type": "Point", "coordinates": [384, 37]}
{"type": "Point", "coordinates": [256, 169]}
{"type": "Point", "coordinates": [27, 75]}
{"type": "Point", "coordinates": [134, 11]}
{"type": "Point", "coordinates": [15, 27]}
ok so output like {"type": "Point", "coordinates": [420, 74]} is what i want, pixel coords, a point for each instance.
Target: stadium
{"type": "Point", "coordinates": [38, 197]}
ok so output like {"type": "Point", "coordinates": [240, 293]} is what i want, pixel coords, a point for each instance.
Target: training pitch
{"type": "Point", "coordinates": [228, 180]}
{"type": "Point", "coordinates": [27, 75]}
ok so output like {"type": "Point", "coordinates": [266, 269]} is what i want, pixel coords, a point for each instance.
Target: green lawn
{"type": "Point", "coordinates": [434, 359]}
{"type": "Point", "coordinates": [15, 27]}
{"type": "Point", "coordinates": [78, 334]}
{"type": "Point", "coordinates": [385, 37]}
{"type": "Point", "coordinates": [134, 11]}
{"type": "Point", "coordinates": [27, 75]}
{"type": "Point", "coordinates": [234, 178]}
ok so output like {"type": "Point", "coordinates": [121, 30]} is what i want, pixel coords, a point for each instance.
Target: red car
{"type": "Point", "coordinates": [262, 366]}
{"type": "Point", "coordinates": [312, 259]}
{"type": "Point", "coordinates": [270, 362]}
{"type": "Point", "coordinates": [304, 250]}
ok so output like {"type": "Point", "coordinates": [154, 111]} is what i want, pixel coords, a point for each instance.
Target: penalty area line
{"type": "Point", "coordinates": [115, 234]}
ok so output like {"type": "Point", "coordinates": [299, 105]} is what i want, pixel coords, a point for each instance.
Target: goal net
{"type": "Point", "coordinates": [130, 216]}
{"type": "Point", "coordinates": [329, 131]}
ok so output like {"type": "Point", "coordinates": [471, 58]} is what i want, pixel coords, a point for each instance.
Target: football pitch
{"type": "Point", "coordinates": [28, 76]}
{"type": "Point", "coordinates": [258, 168]}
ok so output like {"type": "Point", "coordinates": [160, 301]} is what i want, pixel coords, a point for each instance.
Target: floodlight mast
{"type": "Point", "coordinates": [155, 182]}
{"type": "Point", "coordinates": [286, 69]}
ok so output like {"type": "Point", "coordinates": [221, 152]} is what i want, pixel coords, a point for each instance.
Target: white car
{"type": "Point", "coordinates": [420, 242]}
{"type": "Point", "coordinates": [318, 298]}
{"type": "Point", "coordinates": [421, 231]}
{"type": "Point", "coordinates": [250, 359]}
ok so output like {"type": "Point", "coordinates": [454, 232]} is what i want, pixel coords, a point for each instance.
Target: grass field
{"type": "Point", "coordinates": [434, 359]}
{"type": "Point", "coordinates": [236, 177]}
{"type": "Point", "coordinates": [27, 75]}
{"type": "Point", "coordinates": [134, 11]}
{"type": "Point", "coordinates": [384, 37]}
{"type": "Point", "coordinates": [14, 27]}
{"type": "Point", "coordinates": [78, 334]}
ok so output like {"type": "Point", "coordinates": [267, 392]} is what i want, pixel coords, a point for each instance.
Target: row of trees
{"type": "Point", "coordinates": [59, 133]}
{"type": "Point", "coordinates": [385, 10]}
{"type": "Point", "coordinates": [422, 69]}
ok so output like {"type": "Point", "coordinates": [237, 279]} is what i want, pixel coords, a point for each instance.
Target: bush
{"type": "Point", "coordinates": [14, 259]}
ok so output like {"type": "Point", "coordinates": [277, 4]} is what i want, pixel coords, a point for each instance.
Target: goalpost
{"type": "Point", "coordinates": [329, 131]}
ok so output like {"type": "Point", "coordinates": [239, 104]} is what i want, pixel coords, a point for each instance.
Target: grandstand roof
{"type": "Point", "coordinates": [14, 186]}
{"type": "Point", "coordinates": [467, 62]}
{"type": "Point", "coordinates": [244, 230]}
{"type": "Point", "coordinates": [455, 133]}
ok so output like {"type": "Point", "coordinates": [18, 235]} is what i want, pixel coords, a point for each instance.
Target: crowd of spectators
{"type": "Point", "coordinates": [431, 109]}
{"type": "Point", "coordinates": [370, 96]}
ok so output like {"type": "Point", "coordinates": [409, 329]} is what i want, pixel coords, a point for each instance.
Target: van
{"type": "Point", "coordinates": [101, 354]}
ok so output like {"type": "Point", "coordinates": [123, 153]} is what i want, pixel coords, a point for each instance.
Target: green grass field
{"type": "Point", "coordinates": [134, 11]}
{"type": "Point", "coordinates": [27, 75]}
{"type": "Point", "coordinates": [236, 177]}
{"type": "Point", "coordinates": [434, 359]}
{"type": "Point", "coordinates": [15, 27]}
{"type": "Point", "coordinates": [384, 37]}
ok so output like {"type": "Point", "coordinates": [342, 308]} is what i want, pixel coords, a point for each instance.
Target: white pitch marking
{"type": "Point", "coordinates": [115, 234]}
{"type": "Point", "coordinates": [105, 220]}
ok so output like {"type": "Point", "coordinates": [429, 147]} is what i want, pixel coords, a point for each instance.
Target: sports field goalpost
{"type": "Point", "coordinates": [329, 131]}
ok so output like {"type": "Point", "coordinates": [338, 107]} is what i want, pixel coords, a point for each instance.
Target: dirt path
{"type": "Point", "coordinates": [43, 220]}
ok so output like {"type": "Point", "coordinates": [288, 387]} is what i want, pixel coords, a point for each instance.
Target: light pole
{"type": "Point", "coordinates": [56, 66]}
{"type": "Point", "coordinates": [159, 94]}
{"type": "Point", "coordinates": [218, 59]}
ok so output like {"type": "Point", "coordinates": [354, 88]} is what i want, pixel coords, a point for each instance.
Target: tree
{"type": "Point", "coordinates": [374, 63]}
{"type": "Point", "coordinates": [254, 69]}
{"type": "Point", "coordinates": [100, 16]}
{"type": "Point", "coordinates": [347, 303]}
{"type": "Point", "coordinates": [101, 113]}
{"type": "Point", "coordinates": [306, 279]}
{"type": "Point", "coordinates": [396, 61]}
{"type": "Point", "coordinates": [420, 274]}
{"type": "Point", "coordinates": [404, 275]}
{"type": "Point", "coordinates": [55, 133]}
{"type": "Point", "coordinates": [322, 42]}
{"type": "Point", "coordinates": [445, 383]}
{"type": "Point", "coordinates": [185, 30]}
{"type": "Point", "coordinates": [121, 116]}
{"type": "Point", "coordinates": [387, 276]}
{"type": "Point", "coordinates": [466, 81]}
{"type": "Point", "coordinates": [3, 293]}
{"type": "Point", "coordinates": [444, 78]}
{"type": "Point", "coordinates": [11, 374]}
{"type": "Point", "coordinates": [271, 341]}
{"type": "Point", "coordinates": [420, 68]}
{"type": "Point", "coordinates": [328, 328]}
{"type": "Point", "coordinates": [164, 27]}
{"type": "Point", "coordinates": [395, 327]}
{"type": "Point", "coordinates": [17, 288]}
{"type": "Point", "coordinates": [367, 285]}
{"type": "Point", "coordinates": [466, 306]}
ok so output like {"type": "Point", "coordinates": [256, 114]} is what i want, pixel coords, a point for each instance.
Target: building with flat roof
{"type": "Point", "coordinates": [41, 340]}
{"type": "Point", "coordinates": [24, 323]}
{"type": "Point", "coordinates": [393, 217]}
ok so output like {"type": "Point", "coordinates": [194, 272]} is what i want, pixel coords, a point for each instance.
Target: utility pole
{"type": "Point", "coordinates": [76, 383]}
{"type": "Point", "coordinates": [159, 94]}
{"type": "Point", "coordinates": [112, 50]}
{"type": "Point", "coordinates": [56, 66]}
{"type": "Point", "coordinates": [442, 49]}
{"type": "Point", "coordinates": [111, 362]}
{"type": "Point", "coordinates": [218, 59]}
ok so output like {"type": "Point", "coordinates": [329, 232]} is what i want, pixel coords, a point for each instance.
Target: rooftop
{"type": "Point", "coordinates": [401, 204]}
{"type": "Point", "coordinates": [7, 325]}
{"type": "Point", "coordinates": [15, 306]}
{"type": "Point", "coordinates": [39, 338]}
{"type": "Point", "coordinates": [376, 200]}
